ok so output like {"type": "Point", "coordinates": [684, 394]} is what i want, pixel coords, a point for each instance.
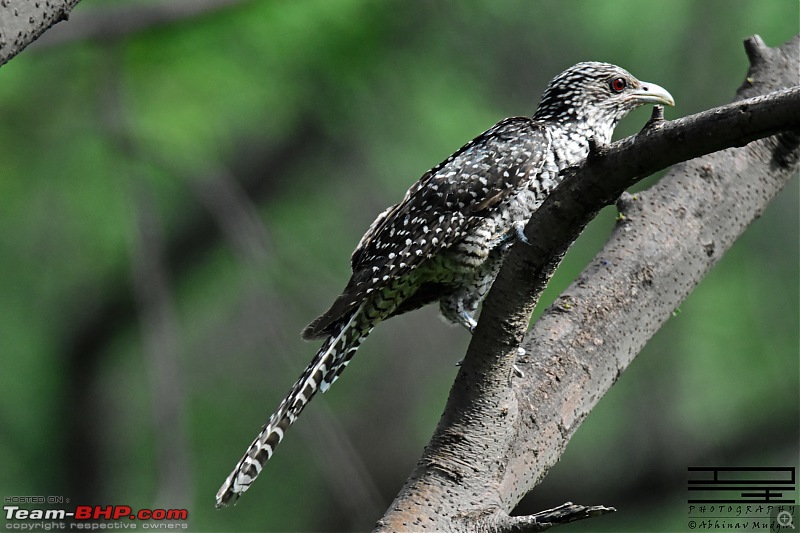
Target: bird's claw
{"type": "Point", "coordinates": [519, 232]}
{"type": "Point", "coordinates": [514, 368]}
{"type": "Point", "coordinates": [517, 372]}
{"type": "Point", "coordinates": [468, 322]}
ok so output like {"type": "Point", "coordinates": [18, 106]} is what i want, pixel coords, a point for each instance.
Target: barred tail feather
{"type": "Point", "coordinates": [323, 370]}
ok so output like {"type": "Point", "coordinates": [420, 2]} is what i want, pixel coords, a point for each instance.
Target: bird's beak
{"type": "Point", "coordinates": [650, 93]}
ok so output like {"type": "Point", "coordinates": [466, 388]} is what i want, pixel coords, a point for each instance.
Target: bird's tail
{"type": "Point", "coordinates": [323, 370]}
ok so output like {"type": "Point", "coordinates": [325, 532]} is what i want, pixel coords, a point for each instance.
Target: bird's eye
{"type": "Point", "coordinates": [618, 84]}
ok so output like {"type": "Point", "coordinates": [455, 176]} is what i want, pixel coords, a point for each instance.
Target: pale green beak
{"type": "Point", "coordinates": [650, 93]}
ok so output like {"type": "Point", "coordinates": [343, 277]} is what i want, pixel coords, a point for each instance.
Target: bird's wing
{"type": "Point", "coordinates": [440, 209]}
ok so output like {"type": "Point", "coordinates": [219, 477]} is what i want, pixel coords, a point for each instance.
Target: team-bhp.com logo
{"type": "Point", "coordinates": [87, 517]}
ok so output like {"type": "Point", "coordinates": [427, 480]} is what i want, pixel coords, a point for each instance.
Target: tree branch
{"type": "Point", "coordinates": [495, 442]}
{"type": "Point", "coordinates": [23, 21]}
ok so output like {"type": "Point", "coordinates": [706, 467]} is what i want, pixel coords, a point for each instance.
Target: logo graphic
{"type": "Point", "coordinates": [742, 498]}
{"type": "Point", "coordinates": [719, 484]}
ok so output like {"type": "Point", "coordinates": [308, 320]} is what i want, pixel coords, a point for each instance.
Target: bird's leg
{"type": "Point", "coordinates": [519, 231]}
{"type": "Point", "coordinates": [517, 372]}
{"type": "Point", "coordinates": [467, 321]}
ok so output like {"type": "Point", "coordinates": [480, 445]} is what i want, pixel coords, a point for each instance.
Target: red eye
{"type": "Point", "coordinates": [618, 84]}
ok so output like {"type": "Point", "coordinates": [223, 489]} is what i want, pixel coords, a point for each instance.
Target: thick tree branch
{"type": "Point", "coordinates": [495, 442]}
{"type": "Point", "coordinates": [23, 21]}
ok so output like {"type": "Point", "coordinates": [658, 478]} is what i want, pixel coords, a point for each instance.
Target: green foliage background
{"type": "Point", "coordinates": [178, 202]}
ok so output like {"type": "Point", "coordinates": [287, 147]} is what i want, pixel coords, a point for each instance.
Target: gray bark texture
{"type": "Point", "coordinates": [499, 435]}
{"type": "Point", "coordinates": [23, 21]}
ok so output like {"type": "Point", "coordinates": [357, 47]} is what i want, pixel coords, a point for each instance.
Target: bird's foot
{"type": "Point", "coordinates": [514, 368]}
{"type": "Point", "coordinates": [519, 231]}
{"type": "Point", "coordinates": [517, 372]}
{"type": "Point", "coordinates": [467, 321]}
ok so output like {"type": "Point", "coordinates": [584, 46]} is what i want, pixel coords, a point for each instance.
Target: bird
{"type": "Point", "coordinates": [445, 241]}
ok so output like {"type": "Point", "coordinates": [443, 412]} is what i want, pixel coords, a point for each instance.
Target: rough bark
{"type": "Point", "coordinates": [499, 435]}
{"type": "Point", "coordinates": [23, 21]}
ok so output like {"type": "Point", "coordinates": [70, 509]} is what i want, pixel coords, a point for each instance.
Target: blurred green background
{"type": "Point", "coordinates": [181, 199]}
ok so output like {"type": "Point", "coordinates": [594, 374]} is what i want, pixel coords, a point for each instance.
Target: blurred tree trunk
{"type": "Point", "coordinates": [496, 442]}
{"type": "Point", "coordinates": [23, 23]}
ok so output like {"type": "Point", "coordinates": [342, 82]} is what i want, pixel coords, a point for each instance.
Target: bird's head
{"type": "Point", "coordinates": [597, 95]}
